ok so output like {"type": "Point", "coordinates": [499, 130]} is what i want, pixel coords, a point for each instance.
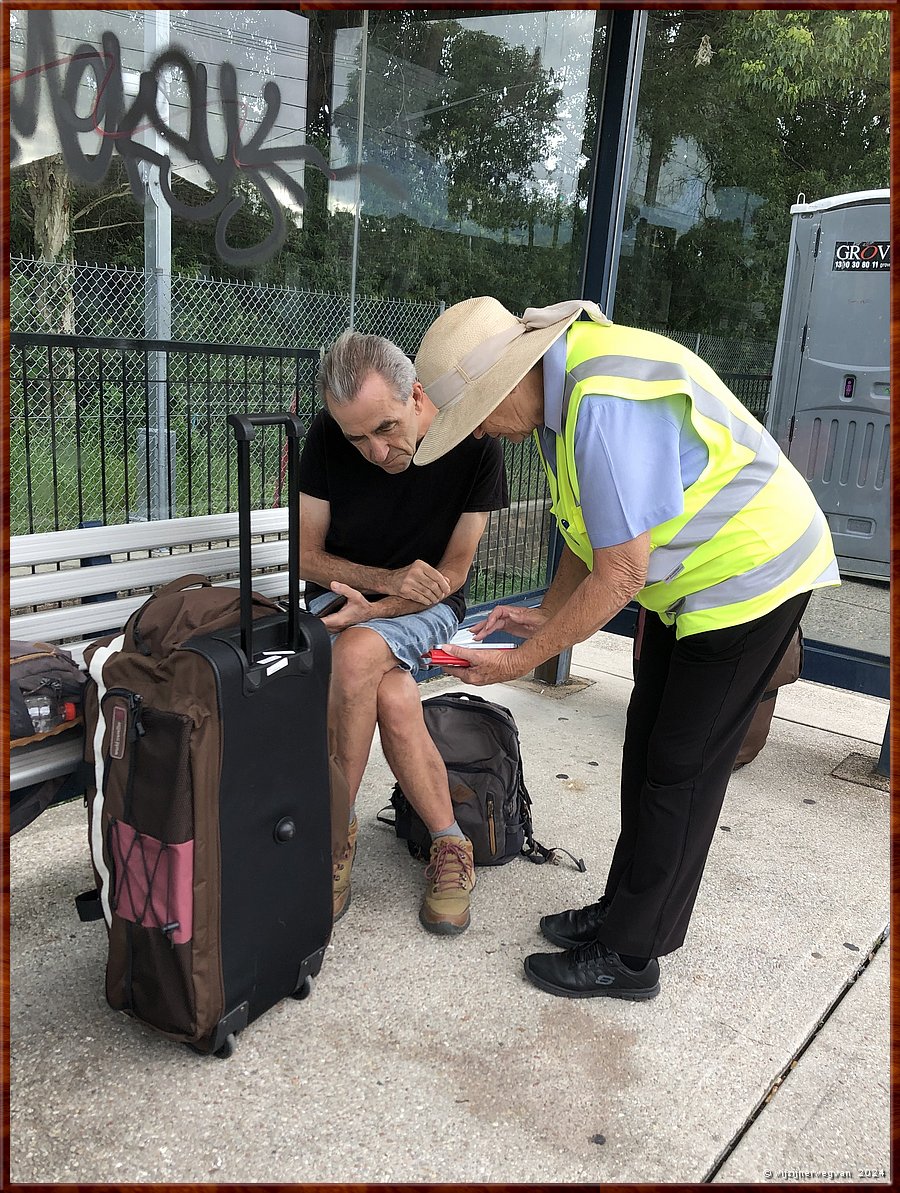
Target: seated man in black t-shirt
{"type": "Point", "coordinates": [397, 542]}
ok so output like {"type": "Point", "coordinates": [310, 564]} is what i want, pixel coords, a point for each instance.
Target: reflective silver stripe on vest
{"type": "Point", "coordinates": [636, 368]}
{"type": "Point", "coordinates": [666, 560]}
{"type": "Point", "coordinates": [761, 579]}
{"type": "Point", "coordinates": [831, 575]}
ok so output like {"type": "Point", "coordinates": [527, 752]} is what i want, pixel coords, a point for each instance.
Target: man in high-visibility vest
{"type": "Point", "coordinates": [665, 490]}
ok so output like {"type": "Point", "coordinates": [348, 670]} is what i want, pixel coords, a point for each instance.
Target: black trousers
{"type": "Point", "coordinates": [692, 702]}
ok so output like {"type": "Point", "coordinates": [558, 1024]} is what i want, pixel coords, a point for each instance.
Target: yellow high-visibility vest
{"type": "Point", "coordinates": [751, 534]}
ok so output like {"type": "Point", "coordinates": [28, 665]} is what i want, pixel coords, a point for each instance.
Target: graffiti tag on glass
{"type": "Point", "coordinates": [117, 125]}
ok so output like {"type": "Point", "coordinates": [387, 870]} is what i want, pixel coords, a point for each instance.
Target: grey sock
{"type": "Point", "coordinates": [453, 831]}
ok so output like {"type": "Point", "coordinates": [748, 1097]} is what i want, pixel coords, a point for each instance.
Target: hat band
{"type": "Point", "coordinates": [449, 388]}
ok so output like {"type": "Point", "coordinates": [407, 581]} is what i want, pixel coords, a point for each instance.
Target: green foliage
{"type": "Point", "coordinates": [790, 102]}
{"type": "Point", "coordinates": [474, 118]}
{"type": "Point", "coordinates": [799, 56]}
{"type": "Point", "coordinates": [487, 584]}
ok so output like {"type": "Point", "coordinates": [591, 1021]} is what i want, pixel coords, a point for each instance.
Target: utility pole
{"type": "Point", "coordinates": [159, 441]}
{"type": "Point", "coordinates": [361, 113]}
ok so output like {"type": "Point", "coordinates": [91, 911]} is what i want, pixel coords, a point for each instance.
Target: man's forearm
{"type": "Point", "coordinates": [618, 574]}
{"type": "Point", "coordinates": [393, 606]}
{"type": "Point", "coordinates": [569, 574]}
{"type": "Point", "coordinates": [322, 568]}
{"type": "Point", "coordinates": [455, 572]}
{"type": "Point", "coordinates": [588, 609]}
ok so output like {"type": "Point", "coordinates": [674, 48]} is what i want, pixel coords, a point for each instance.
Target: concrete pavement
{"type": "Point", "coordinates": [855, 614]}
{"type": "Point", "coordinates": [429, 1059]}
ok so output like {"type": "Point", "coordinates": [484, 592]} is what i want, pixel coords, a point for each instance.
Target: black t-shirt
{"type": "Point", "coordinates": [388, 520]}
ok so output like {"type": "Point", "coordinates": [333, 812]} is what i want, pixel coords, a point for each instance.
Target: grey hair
{"type": "Point", "coordinates": [352, 357]}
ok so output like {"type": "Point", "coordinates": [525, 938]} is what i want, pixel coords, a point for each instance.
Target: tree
{"type": "Point", "coordinates": [459, 116]}
{"type": "Point", "coordinates": [775, 103]}
{"type": "Point", "coordinates": [49, 191]}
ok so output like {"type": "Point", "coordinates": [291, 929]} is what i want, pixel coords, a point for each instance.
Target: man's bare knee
{"type": "Point", "coordinates": [359, 658]}
{"type": "Point", "coordinates": [399, 707]}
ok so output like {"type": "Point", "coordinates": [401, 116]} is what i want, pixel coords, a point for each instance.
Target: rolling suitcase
{"type": "Point", "coordinates": [209, 811]}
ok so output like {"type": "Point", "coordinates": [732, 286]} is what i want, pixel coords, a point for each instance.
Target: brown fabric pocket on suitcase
{"type": "Point", "coordinates": [157, 983]}
{"type": "Point", "coordinates": [161, 803]}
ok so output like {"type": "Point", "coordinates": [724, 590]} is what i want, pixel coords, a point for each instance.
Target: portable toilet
{"type": "Point", "coordinates": [830, 392]}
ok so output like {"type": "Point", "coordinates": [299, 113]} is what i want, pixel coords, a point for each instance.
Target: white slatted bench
{"type": "Point", "coordinates": [46, 570]}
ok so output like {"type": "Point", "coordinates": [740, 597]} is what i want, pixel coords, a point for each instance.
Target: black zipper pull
{"type": "Point", "coordinates": [134, 700]}
{"type": "Point", "coordinates": [137, 722]}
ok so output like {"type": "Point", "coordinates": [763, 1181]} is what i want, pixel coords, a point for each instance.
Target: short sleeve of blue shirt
{"type": "Point", "coordinates": [634, 460]}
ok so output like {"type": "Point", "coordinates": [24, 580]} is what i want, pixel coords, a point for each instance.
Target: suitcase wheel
{"type": "Point", "coordinates": [227, 1048]}
{"type": "Point", "coordinates": [304, 990]}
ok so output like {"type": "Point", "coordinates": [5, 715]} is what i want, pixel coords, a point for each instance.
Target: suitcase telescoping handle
{"type": "Point", "coordinates": [244, 427]}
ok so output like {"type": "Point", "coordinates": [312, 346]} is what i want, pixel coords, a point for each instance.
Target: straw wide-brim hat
{"type": "Point", "coordinates": [475, 353]}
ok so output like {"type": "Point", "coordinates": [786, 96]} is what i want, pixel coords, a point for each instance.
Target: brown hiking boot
{"type": "Point", "coordinates": [341, 872]}
{"type": "Point", "coordinates": [451, 875]}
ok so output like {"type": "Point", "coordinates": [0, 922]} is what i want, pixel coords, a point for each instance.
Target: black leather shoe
{"type": "Point", "coordinates": [569, 929]}
{"type": "Point", "coordinates": [591, 971]}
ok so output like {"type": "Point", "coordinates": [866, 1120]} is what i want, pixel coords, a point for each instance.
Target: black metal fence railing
{"type": "Point", "coordinates": [513, 555]}
{"type": "Point", "coordinates": [116, 430]}
{"type": "Point", "coordinates": [752, 389]}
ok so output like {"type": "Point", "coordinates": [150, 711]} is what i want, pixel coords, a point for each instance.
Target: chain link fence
{"type": "Point", "coordinates": [744, 365]}
{"type": "Point", "coordinates": [725, 354]}
{"type": "Point", "coordinates": [94, 300]}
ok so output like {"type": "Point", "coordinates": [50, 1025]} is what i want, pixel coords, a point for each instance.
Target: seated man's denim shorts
{"type": "Point", "coordinates": [411, 636]}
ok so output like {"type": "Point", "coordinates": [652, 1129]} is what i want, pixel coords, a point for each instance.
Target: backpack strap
{"type": "Point", "coordinates": [534, 850]}
{"type": "Point", "coordinates": [538, 853]}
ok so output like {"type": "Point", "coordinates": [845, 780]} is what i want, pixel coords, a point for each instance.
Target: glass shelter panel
{"type": "Point", "coordinates": [738, 114]}
{"type": "Point", "coordinates": [485, 127]}
{"type": "Point", "coordinates": [237, 186]}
